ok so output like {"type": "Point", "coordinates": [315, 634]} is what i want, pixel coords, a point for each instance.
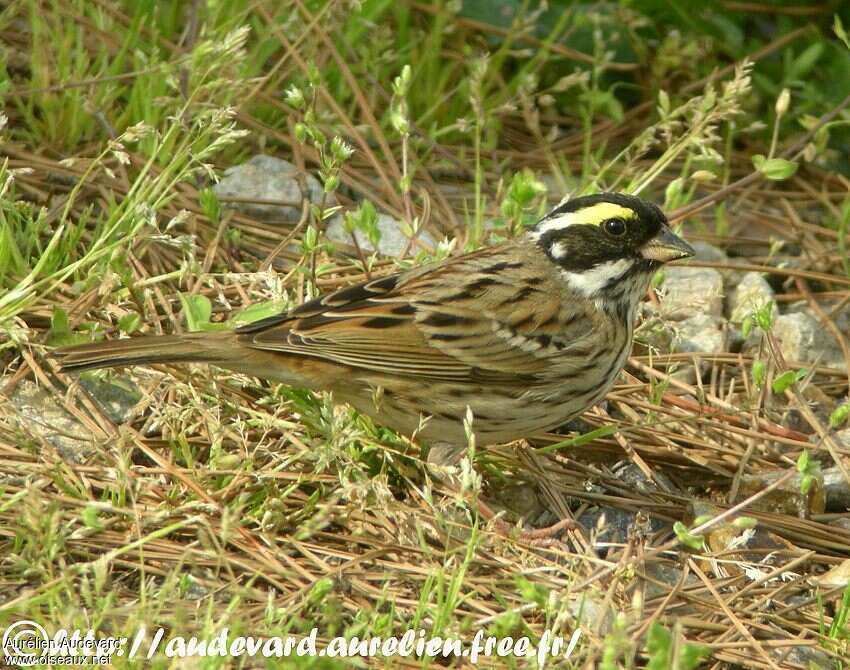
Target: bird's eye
{"type": "Point", "coordinates": [614, 227]}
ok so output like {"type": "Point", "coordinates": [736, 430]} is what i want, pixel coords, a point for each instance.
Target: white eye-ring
{"type": "Point", "coordinates": [614, 227]}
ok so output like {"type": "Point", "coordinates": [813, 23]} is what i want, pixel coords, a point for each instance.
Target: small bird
{"type": "Point", "coordinates": [527, 334]}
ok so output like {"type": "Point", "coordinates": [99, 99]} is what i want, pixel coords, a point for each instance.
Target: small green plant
{"type": "Point", "coordinates": [785, 380]}
{"type": "Point", "coordinates": [839, 629]}
{"type": "Point", "coordinates": [701, 116]}
{"type": "Point", "coordinates": [761, 318]}
{"type": "Point", "coordinates": [839, 416]}
{"type": "Point", "coordinates": [776, 169]}
{"type": "Point", "coordinates": [400, 121]}
{"type": "Point", "coordinates": [665, 655]}
{"type": "Point", "coordinates": [843, 226]}
{"type": "Point", "coordinates": [197, 309]}
{"type": "Point", "coordinates": [759, 372]}
{"type": "Point", "coordinates": [809, 472]}
{"type": "Point", "coordinates": [332, 155]}
{"type": "Point", "coordinates": [523, 203]}
{"type": "Point", "coordinates": [365, 221]}
{"type": "Point", "coordinates": [477, 83]}
{"type": "Point", "coordinates": [773, 168]}
{"type": "Point", "coordinates": [686, 537]}
{"type": "Point", "coordinates": [616, 644]}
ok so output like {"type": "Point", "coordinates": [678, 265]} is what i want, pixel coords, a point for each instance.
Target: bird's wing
{"type": "Point", "coordinates": [471, 318]}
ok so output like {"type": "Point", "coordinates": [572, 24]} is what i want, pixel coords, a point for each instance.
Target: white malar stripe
{"type": "Point", "coordinates": [590, 282]}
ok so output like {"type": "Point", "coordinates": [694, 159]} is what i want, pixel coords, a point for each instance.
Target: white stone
{"type": "Point", "coordinates": [700, 333]}
{"type": "Point", "coordinates": [35, 412]}
{"type": "Point", "coordinates": [691, 290]}
{"type": "Point", "coordinates": [273, 179]}
{"type": "Point", "coordinates": [841, 317]}
{"type": "Point", "coordinates": [711, 254]}
{"type": "Point", "coordinates": [703, 251]}
{"type": "Point", "coordinates": [752, 293]}
{"type": "Point", "coordinates": [392, 243]}
{"type": "Point", "coordinates": [804, 340]}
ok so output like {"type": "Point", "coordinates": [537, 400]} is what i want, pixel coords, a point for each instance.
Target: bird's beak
{"type": "Point", "coordinates": [666, 247]}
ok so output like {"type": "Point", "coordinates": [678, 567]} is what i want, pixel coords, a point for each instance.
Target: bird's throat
{"type": "Point", "coordinates": [599, 279]}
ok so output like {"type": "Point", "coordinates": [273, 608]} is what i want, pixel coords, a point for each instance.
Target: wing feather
{"type": "Point", "coordinates": [460, 320]}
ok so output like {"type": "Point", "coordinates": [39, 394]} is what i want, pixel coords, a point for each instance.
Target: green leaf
{"type": "Point", "coordinates": [59, 324]}
{"type": "Point", "coordinates": [803, 461]}
{"type": "Point", "coordinates": [663, 102]}
{"type": "Point", "coordinates": [584, 438]}
{"type": "Point", "coordinates": [808, 469]}
{"type": "Point", "coordinates": [702, 518]}
{"type": "Point", "coordinates": [785, 381]}
{"type": "Point", "coordinates": [321, 589]}
{"type": "Point", "coordinates": [692, 655]}
{"type": "Point", "coordinates": [197, 309]}
{"type": "Point", "coordinates": [803, 64]}
{"type": "Point", "coordinates": [747, 326]}
{"type": "Point", "coordinates": [673, 193]}
{"type": "Point", "coordinates": [531, 592]}
{"type": "Point", "coordinates": [745, 522]}
{"type": "Point", "coordinates": [838, 28]}
{"type": "Point", "coordinates": [90, 517]}
{"type": "Point", "coordinates": [310, 240]}
{"type": "Point", "coordinates": [60, 330]}
{"type": "Point", "coordinates": [210, 205]}
{"type": "Point", "coordinates": [331, 183]}
{"type": "Point", "coordinates": [764, 316]}
{"type": "Point", "coordinates": [525, 188]}
{"type": "Point", "coordinates": [659, 647]}
{"type": "Point", "coordinates": [129, 323]}
{"type": "Point", "coordinates": [257, 311]}
{"type": "Point", "coordinates": [685, 536]}
{"type": "Point", "coordinates": [839, 415]}
{"type": "Point", "coordinates": [605, 102]}
{"type": "Point", "coordinates": [774, 168]}
{"type": "Point", "coordinates": [759, 372]}
{"type": "Point", "coordinates": [806, 484]}
{"type": "Point", "coordinates": [658, 643]}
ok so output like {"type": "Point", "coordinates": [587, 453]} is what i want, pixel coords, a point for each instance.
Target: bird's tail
{"type": "Point", "coordinates": [189, 348]}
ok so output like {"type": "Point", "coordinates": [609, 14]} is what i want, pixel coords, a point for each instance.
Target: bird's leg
{"type": "Point", "coordinates": [442, 459]}
{"type": "Point", "coordinates": [535, 536]}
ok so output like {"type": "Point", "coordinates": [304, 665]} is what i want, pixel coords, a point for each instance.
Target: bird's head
{"type": "Point", "coordinates": [600, 241]}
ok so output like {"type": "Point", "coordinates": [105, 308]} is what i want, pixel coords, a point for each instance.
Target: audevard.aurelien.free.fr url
{"type": "Point", "coordinates": [27, 643]}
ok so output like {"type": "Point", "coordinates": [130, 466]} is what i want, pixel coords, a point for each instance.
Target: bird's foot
{"type": "Point", "coordinates": [442, 463]}
{"type": "Point", "coordinates": [538, 537]}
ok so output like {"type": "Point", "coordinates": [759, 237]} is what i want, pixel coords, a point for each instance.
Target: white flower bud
{"type": "Point", "coordinates": [782, 102]}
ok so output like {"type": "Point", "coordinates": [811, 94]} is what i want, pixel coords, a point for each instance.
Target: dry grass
{"type": "Point", "coordinates": [221, 501]}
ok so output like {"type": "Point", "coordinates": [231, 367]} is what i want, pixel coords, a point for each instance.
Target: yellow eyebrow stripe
{"type": "Point", "coordinates": [592, 215]}
{"type": "Point", "coordinates": [596, 214]}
